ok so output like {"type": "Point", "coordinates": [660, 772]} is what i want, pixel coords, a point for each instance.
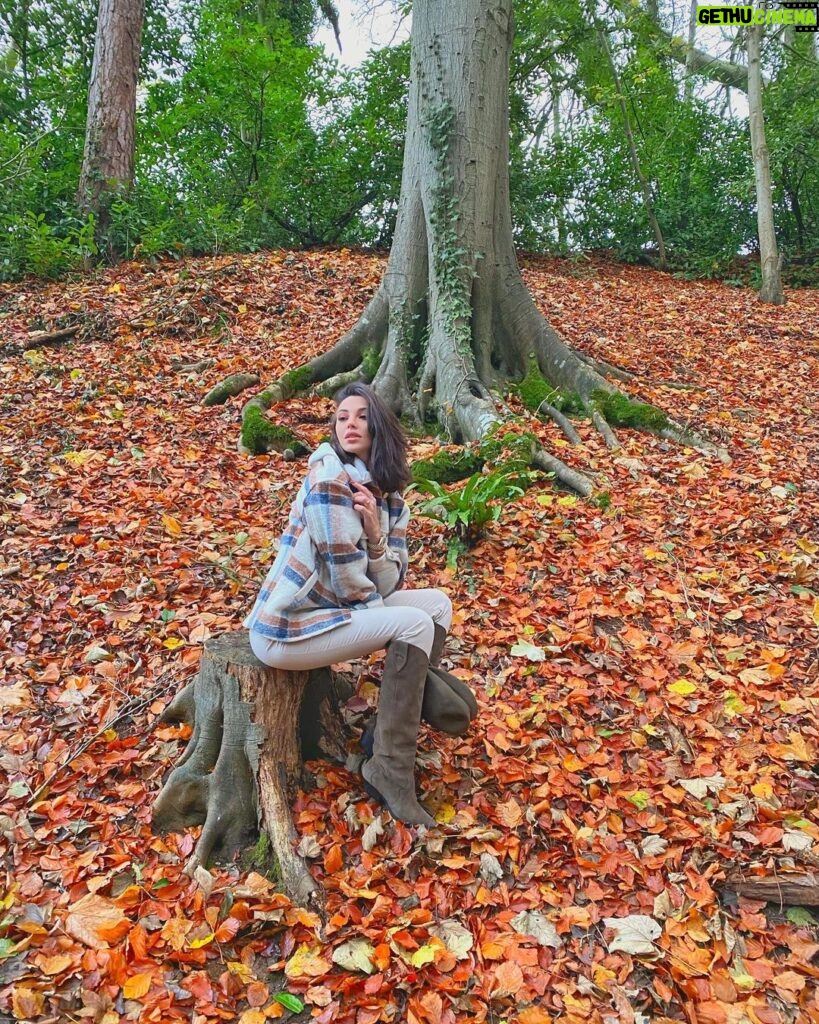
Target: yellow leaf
{"type": "Point", "coordinates": [304, 963]}
{"type": "Point", "coordinates": [445, 814]}
{"type": "Point", "coordinates": [240, 970]}
{"type": "Point", "coordinates": [253, 1017]}
{"type": "Point", "coordinates": [136, 986]}
{"type": "Point", "coordinates": [423, 955]}
{"type": "Point", "coordinates": [173, 643]}
{"type": "Point", "coordinates": [172, 526]}
{"type": "Point", "coordinates": [816, 611]}
{"type": "Point", "coordinates": [683, 687]}
{"type": "Point", "coordinates": [204, 941]}
{"type": "Point", "coordinates": [78, 459]}
{"type": "Point", "coordinates": [734, 704]}
{"type": "Point", "coordinates": [808, 546]}
{"type": "Point", "coordinates": [763, 789]}
{"type": "Point", "coordinates": [26, 1003]}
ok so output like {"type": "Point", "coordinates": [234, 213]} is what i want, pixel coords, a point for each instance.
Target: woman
{"type": "Point", "coordinates": [333, 593]}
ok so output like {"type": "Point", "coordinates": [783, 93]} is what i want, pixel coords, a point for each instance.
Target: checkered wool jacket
{"type": "Point", "coordinates": [322, 571]}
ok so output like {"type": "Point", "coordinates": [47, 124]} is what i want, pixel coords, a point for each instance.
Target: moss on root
{"type": "Point", "coordinates": [370, 362]}
{"type": "Point", "coordinates": [262, 859]}
{"type": "Point", "coordinates": [620, 411]}
{"type": "Point", "coordinates": [295, 381]}
{"type": "Point", "coordinates": [534, 390]}
{"type": "Point", "coordinates": [448, 467]}
{"type": "Point", "coordinates": [218, 395]}
{"type": "Point", "coordinates": [259, 435]}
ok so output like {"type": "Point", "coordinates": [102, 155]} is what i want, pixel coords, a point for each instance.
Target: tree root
{"type": "Point", "coordinates": [231, 386]}
{"type": "Point", "coordinates": [244, 758]}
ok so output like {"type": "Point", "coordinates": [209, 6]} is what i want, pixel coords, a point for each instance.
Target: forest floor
{"type": "Point", "coordinates": [647, 669]}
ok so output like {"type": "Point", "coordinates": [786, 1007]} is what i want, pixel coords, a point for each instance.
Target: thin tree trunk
{"type": "Point", "coordinates": [645, 188]}
{"type": "Point", "coordinates": [108, 160]}
{"type": "Point", "coordinates": [771, 290]}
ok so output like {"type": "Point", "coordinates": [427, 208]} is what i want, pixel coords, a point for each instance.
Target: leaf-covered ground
{"type": "Point", "coordinates": [646, 666]}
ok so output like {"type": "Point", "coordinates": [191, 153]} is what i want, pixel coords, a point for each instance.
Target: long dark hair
{"type": "Point", "coordinates": [387, 464]}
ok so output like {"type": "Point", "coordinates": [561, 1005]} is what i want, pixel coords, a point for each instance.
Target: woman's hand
{"type": "Point", "coordinates": [365, 504]}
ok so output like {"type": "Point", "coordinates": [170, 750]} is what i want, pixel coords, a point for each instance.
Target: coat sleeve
{"type": "Point", "coordinates": [335, 529]}
{"type": "Point", "coordinates": [389, 571]}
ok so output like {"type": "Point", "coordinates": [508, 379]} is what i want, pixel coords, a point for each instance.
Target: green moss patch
{"type": "Point", "coordinates": [534, 390]}
{"type": "Point", "coordinates": [620, 411]}
{"type": "Point", "coordinates": [259, 435]}
{"type": "Point", "coordinates": [505, 449]}
{"type": "Point", "coordinates": [447, 467]}
{"type": "Point", "coordinates": [295, 381]}
{"type": "Point", "coordinates": [370, 362]}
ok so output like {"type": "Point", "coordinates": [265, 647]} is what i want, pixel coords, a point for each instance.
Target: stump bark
{"type": "Point", "coordinates": [253, 726]}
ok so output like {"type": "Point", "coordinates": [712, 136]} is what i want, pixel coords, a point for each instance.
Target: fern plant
{"type": "Point", "coordinates": [467, 511]}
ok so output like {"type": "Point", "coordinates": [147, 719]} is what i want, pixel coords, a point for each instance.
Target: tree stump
{"type": "Point", "coordinates": [252, 727]}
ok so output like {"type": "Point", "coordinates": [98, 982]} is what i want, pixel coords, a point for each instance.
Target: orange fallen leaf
{"type": "Point", "coordinates": [96, 921]}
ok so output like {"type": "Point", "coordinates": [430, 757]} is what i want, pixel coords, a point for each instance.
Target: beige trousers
{"type": "Point", "coordinates": [408, 615]}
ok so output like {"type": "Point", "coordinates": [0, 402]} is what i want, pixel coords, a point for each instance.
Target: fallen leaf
{"type": "Point", "coordinates": [96, 921]}
{"type": "Point", "coordinates": [537, 926]}
{"type": "Point", "coordinates": [634, 934]}
{"type": "Point", "coordinates": [355, 955]}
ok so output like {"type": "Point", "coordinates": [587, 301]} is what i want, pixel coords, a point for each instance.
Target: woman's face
{"type": "Point", "coordinates": [352, 427]}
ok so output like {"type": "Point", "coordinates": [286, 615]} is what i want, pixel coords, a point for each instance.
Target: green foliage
{"type": "Point", "coordinates": [620, 411]}
{"type": "Point", "coordinates": [289, 1002]}
{"type": "Point", "coordinates": [468, 510]}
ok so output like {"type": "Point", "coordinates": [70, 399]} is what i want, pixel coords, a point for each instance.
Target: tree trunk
{"type": "Point", "coordinates": [453, 317]}
{"type": "Point", "coordinates": [645, 188]}
{"type": "Point", "coordinates": [771, 290]}
{"type": "Point", "coordinates": [251, 727]}
{"type": "Point", "coordinates": [453, 320]}
{"type": "Point", "coordinates": [108, 159]}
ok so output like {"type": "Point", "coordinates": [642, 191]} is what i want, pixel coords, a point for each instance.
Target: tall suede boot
{"type": "Point", "coordinates": [390, 772]}
{"type": "Point", "coordinates": [439, 703]}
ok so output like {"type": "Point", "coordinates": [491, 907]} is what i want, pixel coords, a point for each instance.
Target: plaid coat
{"type": "Point", "coordinates": [322, 571]}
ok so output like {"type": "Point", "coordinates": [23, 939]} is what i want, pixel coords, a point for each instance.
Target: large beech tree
{"type": "Point", "coordinates": [452, 320]}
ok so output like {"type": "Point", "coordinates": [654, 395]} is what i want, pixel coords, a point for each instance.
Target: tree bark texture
{"type": "Point", "coordinates": [453, 316]}
{"type": "Point", "coordinates": [771, 290]}
{"type": "Point", "coordinates": [251, 727]}
{"type": "Point", "coordinates": [108, 159]}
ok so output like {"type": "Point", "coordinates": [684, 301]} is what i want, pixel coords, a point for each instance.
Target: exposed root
{"type": "Point", "coordinates": [605, 369]}
{"type": "Point", "coordinates": [328, 387]}
{"type": "Point", "coordinates": [231, 386]}
{"type": "Point", "coordinates": [562, 421]}
{"type": "Point", "coordinates": [563, 474]}
{"type": "Point", "coordinates": [603, 428]}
